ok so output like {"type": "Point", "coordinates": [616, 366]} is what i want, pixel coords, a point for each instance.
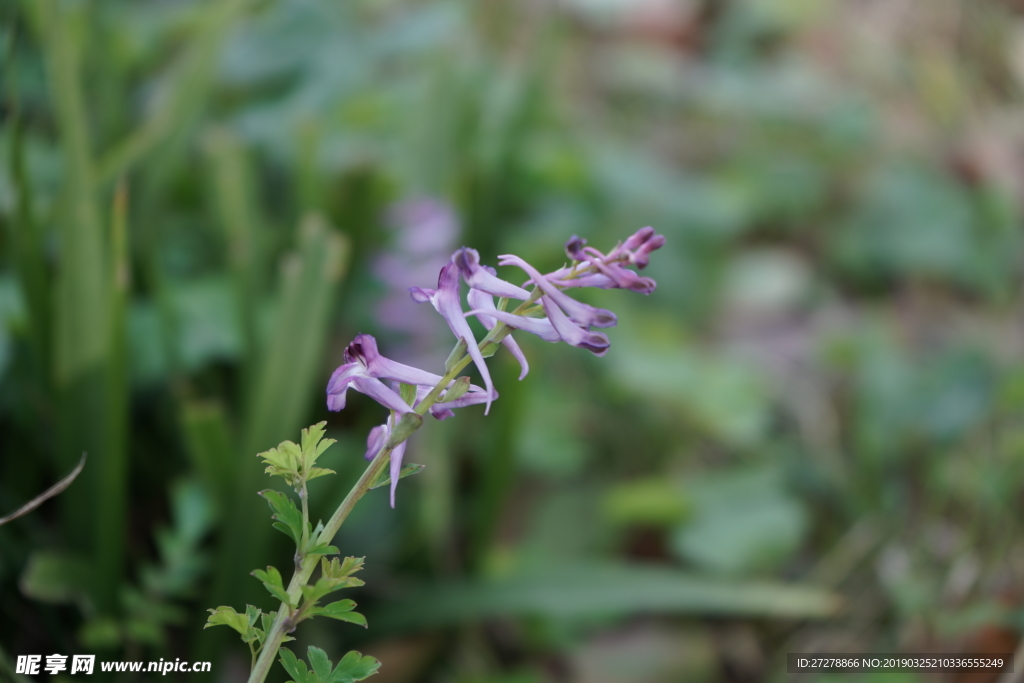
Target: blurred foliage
{"type": "Point", "coordinates": [822, 397]}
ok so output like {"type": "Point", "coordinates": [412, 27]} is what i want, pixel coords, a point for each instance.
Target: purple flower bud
{"type": "Point", "coordinates": [596, 342]}
{"type": "Point", "coordinates": [637, 238]}
{"type": "Point", "coordinates": [574, 248]}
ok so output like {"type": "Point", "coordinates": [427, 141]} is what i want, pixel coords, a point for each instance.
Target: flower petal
{"type": "Point", "coordinates": [538, 326]}
{"type": "Point", "coordinates": [483, 278]}
{"type": "Point", "coordinates": [595, 342]}
{"type": "Point", "coordinates": [340, 380]}
{"type": "Point", "coordinates": [397, 455]}
{"type": "Point", "coordinates": [376, 390]}
{"type": "Point", "coordinates": [375, 441]}
{"type": "Point", "coordinates": [579, 312]}
{"type": "Point", "coordinates": [364, 349]}
{"type": "Point", "coordinates": [482, 301]}
{"type": "Point", "coordinates": [446, 300]}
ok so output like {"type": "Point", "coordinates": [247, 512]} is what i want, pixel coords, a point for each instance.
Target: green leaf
{"type": "Point", "coordinates": [243, 623]}
{"type": "Point", "coordinates": [353, 667]}
{"type": "Point", "coordinates": [320, 663]}
{"type": "Point", "coordinates": [54, 577]}
{"type": "Point", "coordinates": [271, 579]}
{"type": "Point", "coordinates": [383, 479]}
{"type": "Point", "coordinates": [341, 610]}
{"type": "Point", "coordinates": [296, 668]}
{"type": "Point", "coordinates": [289, 519]}
{"type": "Point", "coordinates": [322, 549]}
{"type": "Point", "coordinates": [285, 461]}
{"type": "Point", "coordinates": [315, 472]}
{"type": "Point", "coordinates": [227, 616]}
{"type": "Point", "coordinates": [312, 446]}
{"type": "Point", "coordinates": [342, 570]}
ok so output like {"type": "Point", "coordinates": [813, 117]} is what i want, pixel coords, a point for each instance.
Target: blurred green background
{"type": "Point", "coordinates": [809, 438]}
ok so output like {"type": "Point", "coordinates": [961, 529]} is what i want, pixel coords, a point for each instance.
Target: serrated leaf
{"type": "Point", "coordinates": [289, 519]}
{"type": "Point", "coordinates": [322, 549]}
{"type": "Point", "coordinates": [340, 610]}
{"type": "Point", "coordinates": [335, 569]}
{"type": "Point", "coordinates": [315, 472]}
{"type": "Point", "coordinates": [320, 663]}
{"type": "Point", "coordinates": [383, 479]}
{"type": "Point", "coordinates": [284, 461]}
{"type": "Point", "coordinates": [296, 668]}
{"type": "Point", "coordinates": [353, 667]}
{"type": "Point", "coordinates": [243, 623]}
{"type": "Point", "coordinates": [271, 579]}
{"type": "Point", "coordinates": [227, 616]}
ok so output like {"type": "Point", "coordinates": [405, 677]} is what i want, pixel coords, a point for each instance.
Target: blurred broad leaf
{"type": "Point", "coordinates": [743, 521]}
{"type": "Point", "coordinates": [55, 577]}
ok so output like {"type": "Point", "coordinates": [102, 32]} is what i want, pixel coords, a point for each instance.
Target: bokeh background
{"type": "Point", "coordinates": [809, 438]}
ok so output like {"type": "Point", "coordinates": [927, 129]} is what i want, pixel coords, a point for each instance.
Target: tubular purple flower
{"type": "Point", "coordinates": [482, 301]}
{"type": "Point", "coordinates": [539, 326]}
{"type": "Point", "coordinates": [595, 342]}
{"type": "Point", "coordinates": [442, 410]}
{"type": "Point", "coordinates": [375, 441]}
{"type": "Point", "coordinates": [364, 367]}
{"type": "Point", "coordinates": [446, 300]}
{"type": "Point", "coordinates": [579, 312]}
{"type": "Point", "coordinates": [483, 278]}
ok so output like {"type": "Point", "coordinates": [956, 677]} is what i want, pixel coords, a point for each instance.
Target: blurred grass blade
{"type": "Point", "coordinates": [183, 96]}
{"type": "Point", "coordinates": [112, 475]}
{"type": "Point", "coordinates": [208, 440]}
{"type": "Point", "coordinates": [82, 350]}
{"type": "Point", "coordinates": [587, 590]}
{"type": "Point", "coordinates": [47, 494]}
{"type": "Point", "coordinates": [285, 381]}
{"type": "Point", "coordinates": [234, 198]}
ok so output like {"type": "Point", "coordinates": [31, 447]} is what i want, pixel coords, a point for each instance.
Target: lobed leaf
{"type": "Point", "coordinates": [289, 519]}
{"type": "Point", "coordinates": [340, 610]}
{"type": "Point", "coordinates": [271, 579]}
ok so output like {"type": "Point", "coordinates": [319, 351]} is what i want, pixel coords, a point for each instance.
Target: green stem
{"type": "Point", "coordinates": [285, 622]}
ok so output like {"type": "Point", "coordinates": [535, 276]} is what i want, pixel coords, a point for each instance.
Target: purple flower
{"type": "Point", "coordinates": [364, 368]}
{"type": "Point", "coordinates": [578, 312]}
{"type": "Point", "coordinates": [565, 320]}
{"type": "Point", "coordinates": [483, 303]}
{"type": "Point", "coordinates": [447, 302]}
{"type": "Point", "coordinates": [375, 441]}
{"type": "Point", "coordinates": [483, 278]}
{"type": "Point", "coordinates": [442, 410]}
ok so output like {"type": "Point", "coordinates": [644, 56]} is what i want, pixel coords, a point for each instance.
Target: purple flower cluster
{"type": "Point", "coordinates": [547, 311]}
